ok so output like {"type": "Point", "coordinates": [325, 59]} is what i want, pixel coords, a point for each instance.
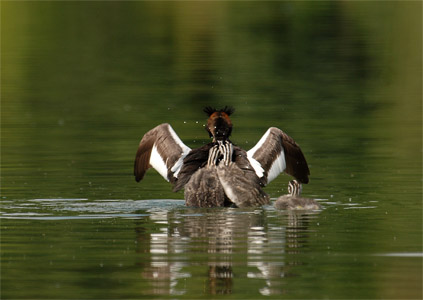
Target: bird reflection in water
{"type": "Point", "coordinates": [198, 251]}
{"type": "Point", "coordinates": [154, 243]}
{"type": "Point", "coordinates": [216, 230]}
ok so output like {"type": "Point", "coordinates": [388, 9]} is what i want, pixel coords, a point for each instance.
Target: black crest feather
{"type": "Point", "coordinates": [229, 110]}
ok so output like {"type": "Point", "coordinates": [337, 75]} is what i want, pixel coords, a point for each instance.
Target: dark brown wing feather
{"type": "Point", "coordinates": [142, 158]}
{"type": "Point", "coordinates": [296, 164]}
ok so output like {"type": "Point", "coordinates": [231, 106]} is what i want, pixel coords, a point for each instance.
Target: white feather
{"type": "Point", "coordinates": [157, 162]}
{"type": "Point", "coordinates": [250, 153]}
{"type": "Point", "coordinates": [176, 138]}
{"type": "Point", "coordinates": [277, 167]}
{"type": "Point", "coordinates": [178, 165]}
{"type": "Point", "coordinates": [260, 143]}
{"type": "Point", "coordinates": [185, 150]}
{"type": "Point", "coordinates": [256, 166]}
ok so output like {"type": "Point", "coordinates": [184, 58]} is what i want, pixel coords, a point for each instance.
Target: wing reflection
{"type": "Point", "coordinates": [205, 251]}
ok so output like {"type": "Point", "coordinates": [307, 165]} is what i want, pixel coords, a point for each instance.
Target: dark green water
{"type": "Point", "coordinates": [81, 82]}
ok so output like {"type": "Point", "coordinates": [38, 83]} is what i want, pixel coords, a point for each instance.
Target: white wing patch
{"type": "Point", "coordinates": [260, 143]}
{"type": "Point", "coordinates": [177, 140]}
{"type": "Point", "coordinates": [278, 166]}
{"type": "Point", "coordinates": [178, 165]}
{"type": "Point", "coordinates": [256, 166]}
{"type": "Point", "coordinates": [250, 153]}
{"type": "Point", "coordinates": [156, 161]}
{"type": "Point", "coordinates": [185, 150]}
{"type": "Point", "coordinates": [279, 163]}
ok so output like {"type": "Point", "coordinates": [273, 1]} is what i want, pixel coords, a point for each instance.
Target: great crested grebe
{"type": "Point", "coordinates": [293, 201]}
{"type": "Point", "coordinates": [220, 173]}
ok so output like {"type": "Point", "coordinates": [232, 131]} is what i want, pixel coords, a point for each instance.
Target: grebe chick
{"type": "Point", "coordinates": [293, 201]}
{"type": "Point", "coordinates": [241, 186]}
{"type": "Point", "coordinates": [220, 166]}
{"type": "Point", "coordinates": [203, 188]}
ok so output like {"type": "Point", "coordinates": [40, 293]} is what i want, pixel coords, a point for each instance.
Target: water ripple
{"type": "Point", "coordinates": [81, 208]}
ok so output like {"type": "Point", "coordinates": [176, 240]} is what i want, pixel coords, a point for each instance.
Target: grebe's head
{"type": "Point", "coordinates": [294, 188]}
{"type": "Point", "coordinates": [219, 125]}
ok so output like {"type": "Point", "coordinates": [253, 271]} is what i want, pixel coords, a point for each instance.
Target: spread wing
{"type": "Point", "coordinates": [162, 149]}
{"type": "Point", "coordinates": [277, 152]}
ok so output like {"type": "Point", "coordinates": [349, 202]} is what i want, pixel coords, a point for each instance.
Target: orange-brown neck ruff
{"type": "Point", "coordinates": [219, 126]}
